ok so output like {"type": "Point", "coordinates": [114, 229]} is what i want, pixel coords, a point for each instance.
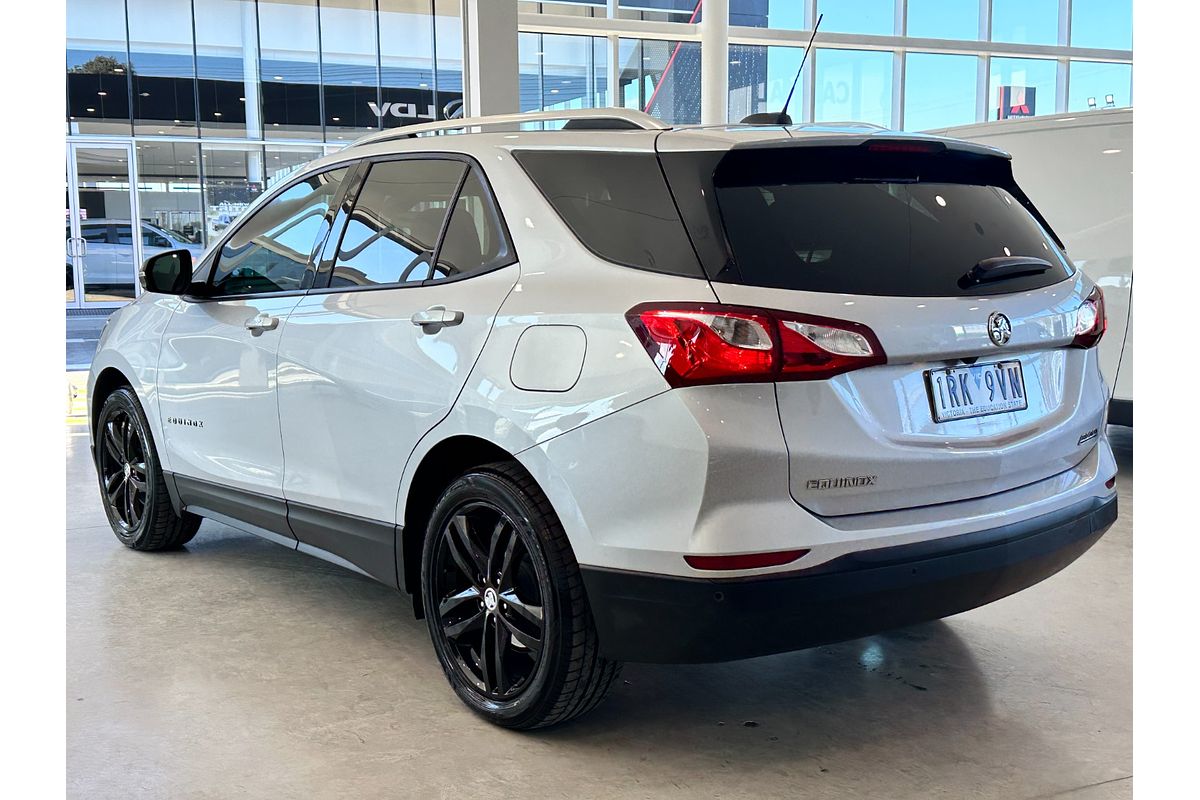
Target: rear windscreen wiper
{"type": "Point", "coordinates": [1002, 268]}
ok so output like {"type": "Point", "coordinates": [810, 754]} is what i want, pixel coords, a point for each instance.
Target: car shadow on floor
{"type": "Point", "coordinates": [906, 683]}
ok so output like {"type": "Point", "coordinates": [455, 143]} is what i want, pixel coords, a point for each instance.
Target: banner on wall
{"type": "Point", "coordinates": [1016, 101]}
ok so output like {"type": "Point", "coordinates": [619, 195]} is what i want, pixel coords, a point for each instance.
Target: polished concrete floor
{"type": "Point", "coordinates": [237, 668]}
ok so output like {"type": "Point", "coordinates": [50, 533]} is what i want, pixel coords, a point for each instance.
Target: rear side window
{"type": "Point", "coordinates": [474, 239]}
{"type": "Point", "coordinates": [617, 204]}
{"type": "Point", "coordinates": [396, 221]}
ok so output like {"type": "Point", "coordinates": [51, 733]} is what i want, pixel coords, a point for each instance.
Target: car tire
{"type": "Point", "coordinates": [541, 664]}
{"type": "Point", "coordinates": [132, 486]}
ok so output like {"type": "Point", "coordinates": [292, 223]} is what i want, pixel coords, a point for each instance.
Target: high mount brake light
{"type": "Point", "coordinates": [904, 146]}
{"type": "Point", "coordinates": [706, 343]}
{"type": "Point", "coordinates": [1090, 320]}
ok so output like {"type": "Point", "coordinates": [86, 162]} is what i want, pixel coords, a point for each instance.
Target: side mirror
{"type": "Point", "coordinates": [167, 273]}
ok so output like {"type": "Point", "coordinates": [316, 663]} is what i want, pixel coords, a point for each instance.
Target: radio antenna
{"type": "Point", "coordinates": [782, 118]}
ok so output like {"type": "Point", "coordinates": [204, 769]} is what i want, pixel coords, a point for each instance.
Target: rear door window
{"type": "Point", "coordinates": [394, 227]}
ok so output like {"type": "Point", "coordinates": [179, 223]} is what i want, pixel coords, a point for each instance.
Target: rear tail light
{"type": "Point", "coordinates": [1090, 320]}
{"type": "Point", "coordinates": [695, 344]}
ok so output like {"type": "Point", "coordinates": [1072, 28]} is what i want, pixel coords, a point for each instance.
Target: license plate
{"type": "Point", "coordinates": [976, 390]}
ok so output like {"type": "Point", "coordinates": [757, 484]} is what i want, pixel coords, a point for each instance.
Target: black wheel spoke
{"type": "Point", "coordinates": [470, 560]}
{"type": "Point", "coordinates": [113, 487]}
{"type": "Point", "coordinates": [529, 642]}
{"type": "Point", "coordinates": [455, 600]}
{"type": "Point", "coordinates": [457, 629]}
{"type": "Point", "coordinates": [500, 640]}
{"type": "Point", "coordinates": [139, 467]}
{"type": "Point", "coordinates": [485, 654]}
{"type": "Point", "coordinates": [497, 537]}
{"type": "Point", "coordinates": [126, 436]}
{"type": "Point", "coordinates": [530, 613]}
{"type": "Point", "coordinates": [507, 561]}
{"type": "Point", "coordinates": [111, 443]}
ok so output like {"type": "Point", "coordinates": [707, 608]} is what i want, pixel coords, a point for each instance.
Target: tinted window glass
{"type": "Point", "coordinates": [124, 234]}
{"type": "Point", "coordinates": [617, 204]}
{"type": "Point", "coordinates": [882, 238]}
{"type": "Point", "coordinates": [95, 234]}
{"type": "Point", "coordinates": [396, 222]}
{"type": "Point", "coordinates": [474, 240]}
{"type": "Point", "coordinates": [270, 252]}
{"type": "Point", "coordinates": [152, 238]}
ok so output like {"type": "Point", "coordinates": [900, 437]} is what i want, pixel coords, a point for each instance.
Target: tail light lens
{"type": "Point", "coordinates": [1090, 320]}
{"type": "Point", "coordinates": [694, 344]}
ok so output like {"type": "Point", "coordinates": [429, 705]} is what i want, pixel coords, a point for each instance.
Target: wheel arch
{"type": "Point", "coordinates": [438, 468]}
{"type": "Point", "coordinates": [107, 381]}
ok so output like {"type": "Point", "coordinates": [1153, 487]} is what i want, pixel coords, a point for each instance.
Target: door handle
{"type": "Point", "coordinates": [82, 247]}
{"type": "Point", "coordinates": [262, 322]}
{"type": "Point", "coordinates": [434, 318]}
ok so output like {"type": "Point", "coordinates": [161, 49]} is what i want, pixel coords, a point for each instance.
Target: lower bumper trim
{"type": "Point", "coordinates": [666, 619]}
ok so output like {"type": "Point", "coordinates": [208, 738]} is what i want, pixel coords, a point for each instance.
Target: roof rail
{"type": "Point", "coordinates": [592, 118]}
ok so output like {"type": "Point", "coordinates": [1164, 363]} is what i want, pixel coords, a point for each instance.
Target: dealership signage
{"type": "Point", "coordinates": [1016, 101]}
{"type": "Point", "coordinates": [403, 110]}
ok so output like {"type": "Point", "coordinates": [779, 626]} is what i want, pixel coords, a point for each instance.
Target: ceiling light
{"type": "Point", "coordinates": [118, 69]}
{"type": "Point", "coordinates": [554, 91]}
{"type": "Point", "coordinates": [242, 99]}
{"type": "Point", "coordinates": [145, 94]}
{"type": "Point", "coordinates": [102, 94]}
{"type": "Point", "coordinates": [278, 77]}
{"type": "Point", "coordinates": [337, 119]}
{"type": "Point", "coordinates": [91, 109]}
{"type": "Point", "coordinates": [424, 85]}
{"type": "Point", "coordinates": [1109, 152]}
{"type": "Point", "coordinates": [735, 62]}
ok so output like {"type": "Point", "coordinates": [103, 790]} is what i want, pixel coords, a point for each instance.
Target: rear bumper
{"type": "Point", "coordinates": [665, 619]}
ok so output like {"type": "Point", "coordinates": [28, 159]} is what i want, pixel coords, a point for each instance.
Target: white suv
{"type": "Point", "coordinates": [621, 392]}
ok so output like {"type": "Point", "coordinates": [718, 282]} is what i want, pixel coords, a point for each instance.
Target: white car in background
{"type": "Point", "coordinates": [1078, 169]}
{"type": "Point", "coordinates": [620, 392]}
{"type": "Point", "coordinates": [108, 251]}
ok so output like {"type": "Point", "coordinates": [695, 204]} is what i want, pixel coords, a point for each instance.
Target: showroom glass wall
{"type": "Point", "coordinates": [181, 112]}
{"type": "Point", "coordinates": [913, 64]}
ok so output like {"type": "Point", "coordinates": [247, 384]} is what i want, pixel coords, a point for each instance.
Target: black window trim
{"type": "Point", "coordinates": [207, 269]}
{"type": "Point", "coordinates": [326, 275]}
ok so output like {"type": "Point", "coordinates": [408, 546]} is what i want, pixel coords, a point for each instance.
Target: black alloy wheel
{"type": "Point", "coordinates": [132, 486]}
{"type": "Point", "coordinates": [123, 471]}
{"type": "Point", "coordinates": [505, 603]}
{"type": "Point", "coordinates": [490, 613]}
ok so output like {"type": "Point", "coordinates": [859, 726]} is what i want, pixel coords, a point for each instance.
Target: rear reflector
{"type": "Point", "coordinates": [745, 561]}
{"type": "Point", "coordinates": [1111, 482]}
{"type": "Point", "coordinates": [1090, 320]}
{"type": "Point", "coordinates": [706, 343]}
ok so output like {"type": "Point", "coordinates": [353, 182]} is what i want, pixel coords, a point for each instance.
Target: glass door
{"type": "Point", "coordinates": [104, 243]}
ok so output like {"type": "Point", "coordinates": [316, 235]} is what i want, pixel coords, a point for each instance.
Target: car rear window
{"type": "Point", "coordinates": [896, 225]}
{"type": "Point", "coordinates": [617, 204]}
{"type": "Point", "coordinates": [905, 239]}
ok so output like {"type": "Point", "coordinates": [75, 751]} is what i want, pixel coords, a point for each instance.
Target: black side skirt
{"type": "Point", "coordinates": [365, 545]}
